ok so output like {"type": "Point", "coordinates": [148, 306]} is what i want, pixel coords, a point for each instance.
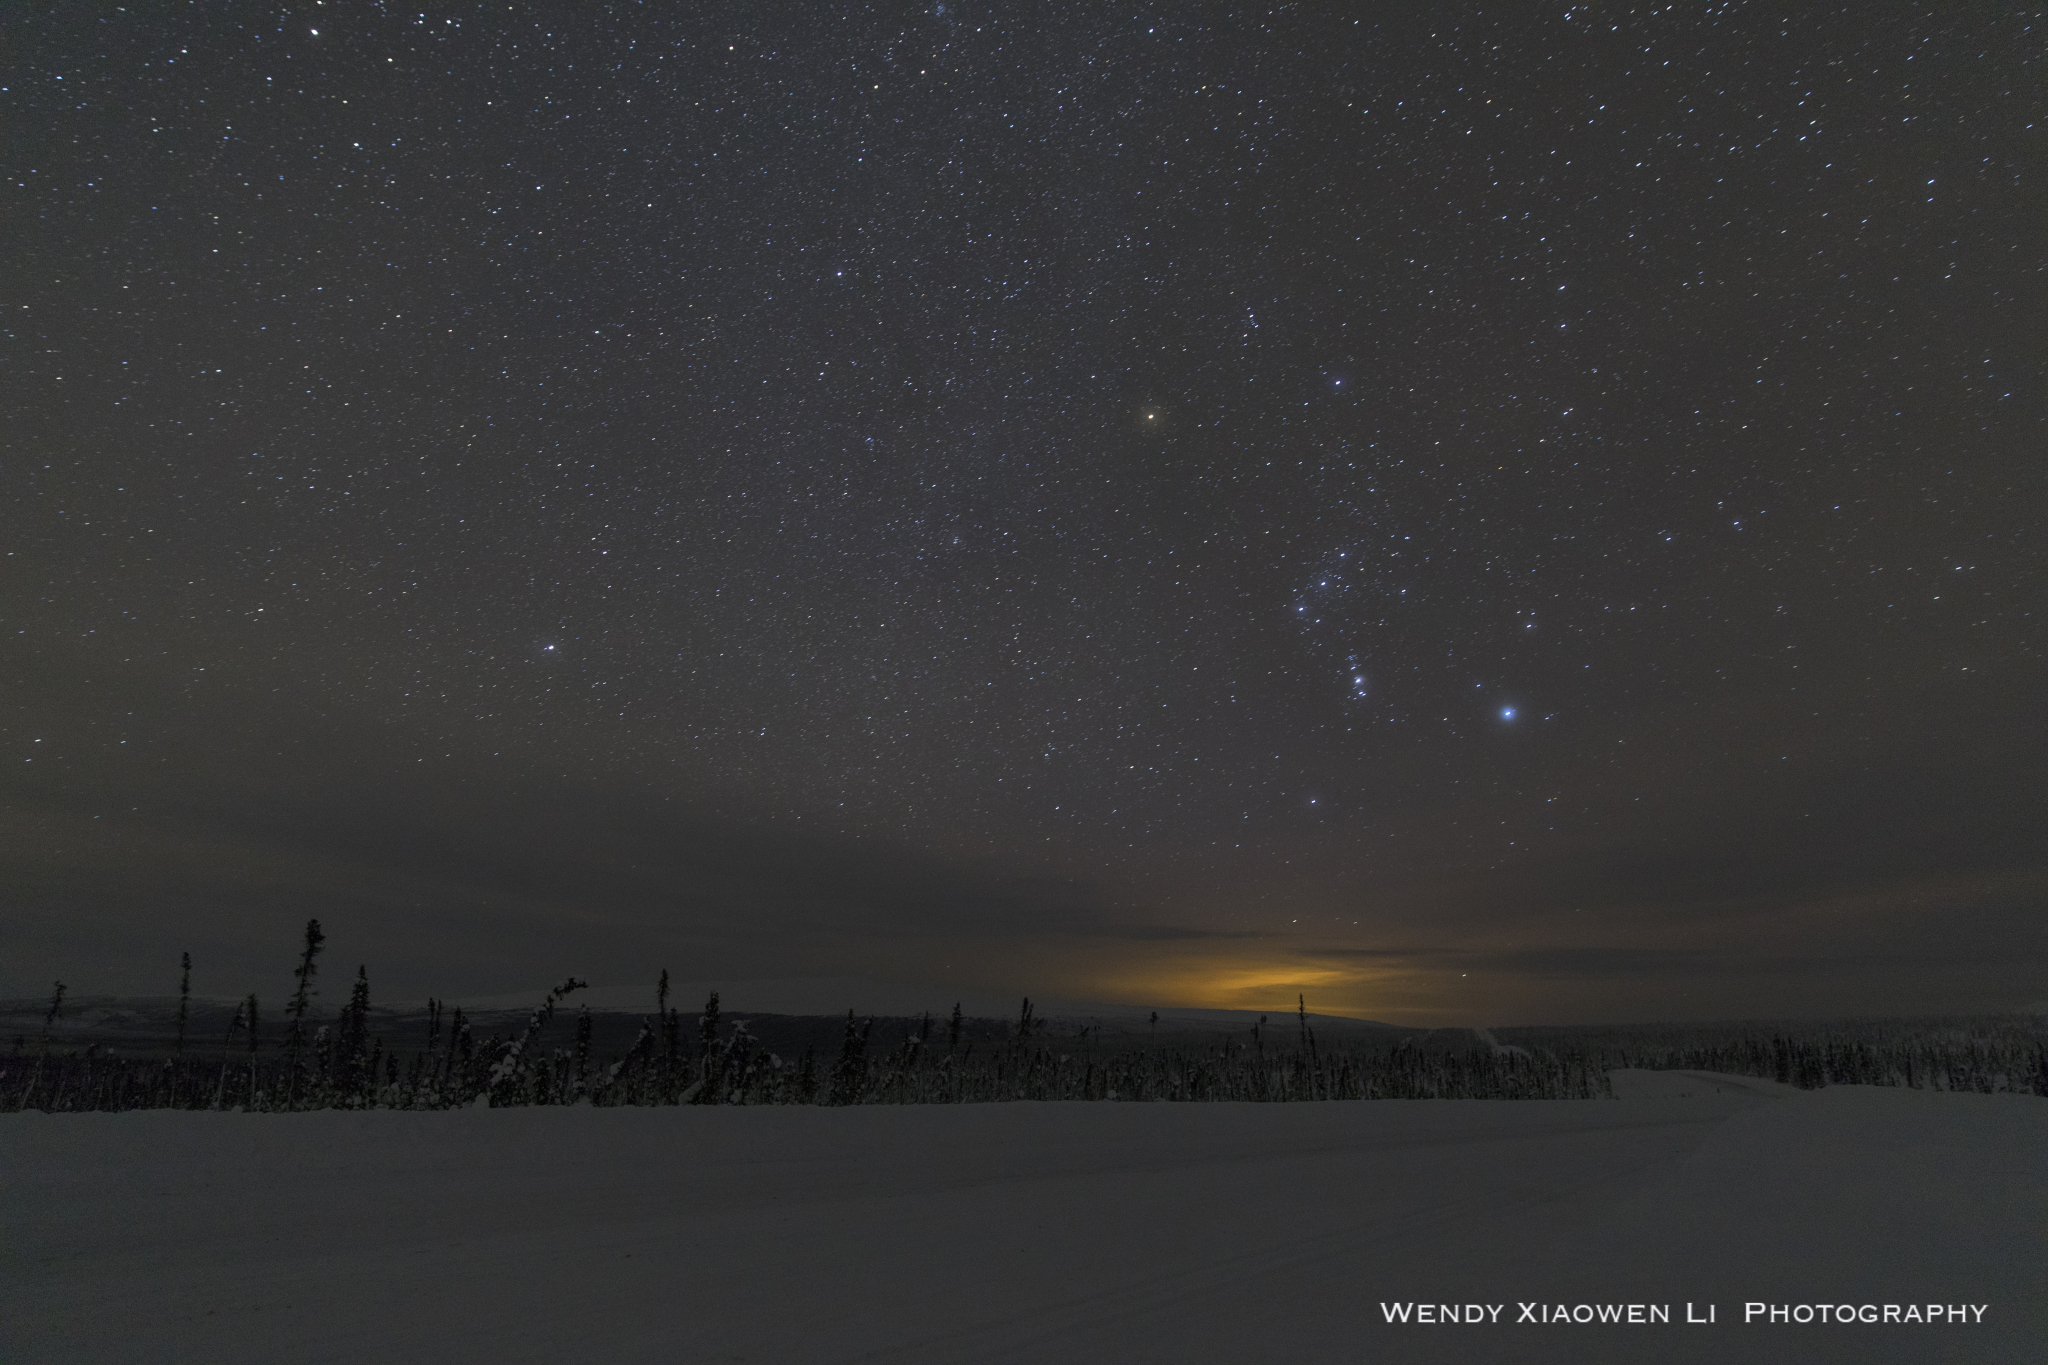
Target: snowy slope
{"type": "Point", "coordinates": [1020, 1232]}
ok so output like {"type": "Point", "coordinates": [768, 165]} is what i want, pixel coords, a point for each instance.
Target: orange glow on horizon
{"type": "Point", "coordinates": [1268, 986]}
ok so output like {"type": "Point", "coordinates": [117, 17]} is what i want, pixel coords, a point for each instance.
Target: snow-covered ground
{"type": "Point", "coordinates": [1026, 1232]}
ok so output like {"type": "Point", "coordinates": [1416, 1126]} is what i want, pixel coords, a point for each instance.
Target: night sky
{"type": "Point", "coordinates": [1475, 515]}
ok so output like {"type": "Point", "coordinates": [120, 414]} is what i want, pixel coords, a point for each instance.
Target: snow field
{"type": "Point", "coordinates": [1184, 1233]}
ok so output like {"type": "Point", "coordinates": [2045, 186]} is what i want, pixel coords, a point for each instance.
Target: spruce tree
{"type": "Point", "coordinates": [510, 1073]}
{"type": "Point", "coordinates": [295, 1040]}
{"type": "Point", "coordinates": [707, 1027]}
{"type": "Point", "coordinates": [707, 1032]}
{"type": "Point", "coordinates": [54, 1013]}
{"type": "Point", "coordinates": [671, 1033]}
{"type": "Point", "coordinates": [226, 1044]}
{"type": "Point", "coordinates": [355, 1032]}
{"type": "Point", "coordinates": [251, 1009]}
{"type": "Point", "coordinates": [583, 1030]}
{"type": "Point", "coordinates": [459, 1045]}
{"type": "Point", "coordinates": [184, 999]}
{"type": "Point", "coordinates": [849, 1079]}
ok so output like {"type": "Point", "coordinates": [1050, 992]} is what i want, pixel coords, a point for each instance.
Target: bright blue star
{"type": "Point", "coordinates": [1507, 713]}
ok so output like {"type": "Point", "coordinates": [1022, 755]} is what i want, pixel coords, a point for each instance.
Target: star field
{"type": "Point", "coordinates": [1433, 505]}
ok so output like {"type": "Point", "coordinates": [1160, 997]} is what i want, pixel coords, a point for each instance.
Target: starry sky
{"type": "Point", "coordinates": [1508, 513]}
